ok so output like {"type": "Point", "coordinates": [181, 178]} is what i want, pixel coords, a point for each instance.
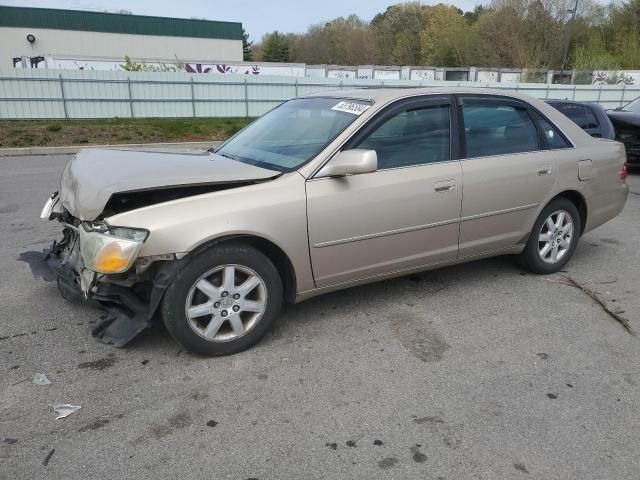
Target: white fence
{"type": "Point", "coordinates": [57, 94]}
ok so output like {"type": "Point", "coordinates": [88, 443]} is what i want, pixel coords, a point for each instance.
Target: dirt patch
{"type": "Point", "coordinates": [449, 434]}
{"type": "Point", "coordinates": [388, 462]}
{"type": "Point", "coordinates": [175, 422]}
{"type": "Point", "coordinates": [417, 455]}
{"type": "Point", "coordinates": [611, 241]}
{"type": "Point", "coordinates": [432, 420]}
{"type": "Point", "coordinates": [101, 364]}
{"type": "Point", "coordinates": [95, 425]}
{"type": "Point", "coordinates": [418, 337]}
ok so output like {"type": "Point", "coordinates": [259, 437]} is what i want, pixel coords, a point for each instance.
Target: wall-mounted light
{"type": "Point", "coordinates": [31, 38]}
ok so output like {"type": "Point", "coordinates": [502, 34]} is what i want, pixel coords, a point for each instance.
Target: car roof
{"type": "Point", "coordinates": [384, 95]}
{"type": "Point", "coordinates": [577, 102]}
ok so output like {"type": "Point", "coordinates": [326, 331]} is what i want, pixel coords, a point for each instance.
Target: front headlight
{"type": "Point", "coordinates": [107, 249]}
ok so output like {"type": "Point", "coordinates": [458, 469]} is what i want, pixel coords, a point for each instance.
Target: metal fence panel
{"type": "Point", "coordinates": [52, 94]}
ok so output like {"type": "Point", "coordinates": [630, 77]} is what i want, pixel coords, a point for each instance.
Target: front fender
{"type": "Point", "coordinates": [273, 210]}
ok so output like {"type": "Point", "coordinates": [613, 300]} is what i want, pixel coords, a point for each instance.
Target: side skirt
{"type": "Point", "coordinates": [301, 296]}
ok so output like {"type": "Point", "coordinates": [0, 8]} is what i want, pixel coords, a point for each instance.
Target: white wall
{"type": "Point", "coordinates": [13, 43]}
{"type": "Point", "coordinates": [621, 77]}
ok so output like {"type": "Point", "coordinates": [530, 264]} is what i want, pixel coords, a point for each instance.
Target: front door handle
{"type": "Point", "coordinates": [444, 186]}
{"type": "Point", "coordinates": [544, 170]}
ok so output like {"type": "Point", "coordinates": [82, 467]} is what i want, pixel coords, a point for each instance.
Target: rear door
{"type": "Point", "coordinates": [507, 173]}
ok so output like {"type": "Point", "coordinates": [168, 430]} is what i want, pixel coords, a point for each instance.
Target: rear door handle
{"type": "Point", "coordinates": [544, 170]}
{"type": "Point", "coordinates": [444, 186]}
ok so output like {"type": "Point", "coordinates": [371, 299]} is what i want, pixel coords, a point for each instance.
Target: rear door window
{"type": "Point", "coordinates": [497, 127]}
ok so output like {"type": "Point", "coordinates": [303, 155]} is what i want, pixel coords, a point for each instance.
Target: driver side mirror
{"type": "Point", "coordinates": [350, 162]}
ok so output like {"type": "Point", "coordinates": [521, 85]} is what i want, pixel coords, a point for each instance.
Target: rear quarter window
{"type": "Point", "coordinates": [554, 138]}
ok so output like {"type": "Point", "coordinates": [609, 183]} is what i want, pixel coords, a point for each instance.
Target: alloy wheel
{"type": "Point", "coordinates": [226, 302]}
{"type": "Point", "coordinates": [554, 239]}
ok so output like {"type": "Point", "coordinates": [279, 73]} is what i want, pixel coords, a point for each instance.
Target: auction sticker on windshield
{"type": "Point", "coordinates": [351, 107]}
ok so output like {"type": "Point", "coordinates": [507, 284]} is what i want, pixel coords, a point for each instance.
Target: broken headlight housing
{"type": "Point", "coordinates": [107, 249]}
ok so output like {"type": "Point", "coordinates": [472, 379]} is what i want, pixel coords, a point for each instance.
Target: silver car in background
{"type": "Point", "coordinates": [320, 194]}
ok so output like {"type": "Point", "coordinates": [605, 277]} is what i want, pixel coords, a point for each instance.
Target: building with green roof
{"type": "Point", "coordinates": [45, 37]}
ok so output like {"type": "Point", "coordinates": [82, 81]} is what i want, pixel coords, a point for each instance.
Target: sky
{"type": "Point", "coordinates": [257, 16]}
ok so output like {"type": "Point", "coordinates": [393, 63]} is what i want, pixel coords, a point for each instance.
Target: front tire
{"type": "Point", "coordinates": [223, 301]}
{"type": "Point", "coordinates": [553, 239]}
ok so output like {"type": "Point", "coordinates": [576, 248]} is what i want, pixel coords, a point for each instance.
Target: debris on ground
{"type": "Point", "coordinates": [45, 462]}
{"type": "Point", "coordinates": [64, 410]}
{"type": "Point", "coordinates": [615, 314]}
{"type": "Point", "coordinates": [41, 379]}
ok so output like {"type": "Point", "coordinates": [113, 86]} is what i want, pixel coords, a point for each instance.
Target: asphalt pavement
{"type": "Point", "coordinates": [478, 371]}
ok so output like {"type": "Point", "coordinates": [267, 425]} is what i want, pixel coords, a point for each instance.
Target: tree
{"type": "Point", "coordinates": [247, 53]}
{"type": "Point", "coordinates": [527, 34]}
{"type": "Point", "coordinates": [472, 17]}
{"type": "Point", "coordinates": [397, 33]}
{"type": "Point", "coordinates": [275, 47]}
{"type": "Point", "coordinates": [447, 40]}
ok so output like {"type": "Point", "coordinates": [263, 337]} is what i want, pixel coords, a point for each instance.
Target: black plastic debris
{"type": "Point", "coordinates": [117, 328]}
{"type": "Point", "coordinates": [125, 315]}
{"type": "Point", "coordinates": [44, 265]}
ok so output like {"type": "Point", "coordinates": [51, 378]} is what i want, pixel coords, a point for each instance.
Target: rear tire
{"type": "Point", "coordinates": [553, 239]}
{"type": "Point", "coordinates": [223, 301]}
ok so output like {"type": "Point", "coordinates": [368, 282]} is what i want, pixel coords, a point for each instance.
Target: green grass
{"type": "Point", "coordinates": [54, 127]}
{"type": "Point", "coordinates": [33, 133]}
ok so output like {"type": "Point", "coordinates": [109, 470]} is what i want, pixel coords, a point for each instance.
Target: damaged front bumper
{"type": "Point", "coordinates": [130, 297]}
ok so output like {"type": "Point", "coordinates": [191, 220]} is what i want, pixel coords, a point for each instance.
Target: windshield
{"type": "Point", "coordinates": [293, 133]}
{"type": "Point", "coordinates": [633, 106]}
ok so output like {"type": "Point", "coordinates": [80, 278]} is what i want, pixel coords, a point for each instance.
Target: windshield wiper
{"type": "Point", "coordinates": [227, 155]}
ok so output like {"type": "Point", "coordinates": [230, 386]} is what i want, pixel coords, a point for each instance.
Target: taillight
{"type": "Point", "coordinates": [624, 172]}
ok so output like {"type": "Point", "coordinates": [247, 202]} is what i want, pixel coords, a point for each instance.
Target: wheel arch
{"type": "Point", "coordinates": [579, 201]}
{"type": "Point", "coordinates": [272, 251]}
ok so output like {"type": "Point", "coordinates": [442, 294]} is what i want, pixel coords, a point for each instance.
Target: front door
{"type": "Point", "coordinates": [404, 215]}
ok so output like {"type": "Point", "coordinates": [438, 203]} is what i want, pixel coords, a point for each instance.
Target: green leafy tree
{"type": "Point", "coordinates": [275, 47]}
{"type": "Point", "coordinates": [397, 33]}
{"type": "Point", "coordinates": [472, 16]}
{"type": "Point", "coordinates": [247, 53]}
{"type": "Point", "coordinates": [448, 39]}
{"type": "Point", "coordinates": [527, 34]}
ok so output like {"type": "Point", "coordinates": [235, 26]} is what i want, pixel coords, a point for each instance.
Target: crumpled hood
{"type": "Point", "coordinates": [94, 174]}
